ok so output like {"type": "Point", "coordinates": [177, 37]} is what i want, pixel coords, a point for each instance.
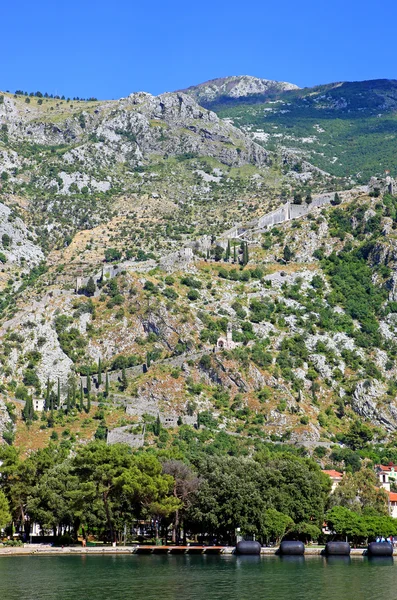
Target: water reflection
{"type": "Point", "coordinates": [225, 577]}
{"type": "Point", "coordinates": [380, 561]}
{"type": "Point", "coordinates": [337, 560]}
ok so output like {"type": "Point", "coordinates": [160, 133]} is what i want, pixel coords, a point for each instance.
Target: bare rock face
{"type": "Point", "coordinates": [135, 128]}
{"type": "Point", "coordinates": [365, 402]}
{"type": "Point", "coordinates": [236, 87]}
{"type": "Point", "coordinates": [21, 246]}
{"type": "Point", "coordinates": [5, 420]}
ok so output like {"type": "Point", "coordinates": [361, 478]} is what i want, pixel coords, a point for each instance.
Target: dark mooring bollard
{"type": "Point", "coordinates": [380, 549]}
{"type": "Point", "coordinates": [248, 547]}
{"type": "Point", "coordinates": [292, 548]}
{"type": "Point", "coordinates": [337, 548]}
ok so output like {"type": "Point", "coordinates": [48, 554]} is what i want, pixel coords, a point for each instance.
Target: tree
{"type": "Point", "coordinates": [236, 492]}
{"type": "Point", "coordinates": [99, 371]}
{"type": "Point", "coordinates": [107, 385]}
{"type": "Point", "coordinates": [287, 254]}
{"type": "Point", "coordinates": [118, 487]}
{"type": "Point", "coordinates": [186, 483]}
{"type": "Point", "coordinates": [88, 385]}
{"type": "Point", "coordinates": [124, 380]}
{"type": "Point", "coordinates": [218, 253]}
{"type": "Point", "coordinates": [346, 523]}
{"type": "Point", "coordinates": [81, 396]}
{"type": "Point", "coordinates": [28, 410]}
{"type": "Point", "coordinates": [157, 426]}
{"type": "Point", "coordinates": [111, 255]}
{"type": "Point", "coordinates": [47, 395]}
{"type": "Point", "coordinates": [227, 253]}
{"type": "Point", "coordinates": [148, 359]}
{"type": "Point", "coordinates": [90, 287]}
{"type": "Point", "coordinates": [336, 200]}
{"type": "Point", "coordinates": [359, 491]}
{"type": "Point", "coordinates": [275, 525]}
{"type": "Point", "coordinates": [59, 394]}
{"type": "Point", "coordinates": [297, 198]}
{"type": "Point", "coordinates": [6, 240]}
{"type": "Point", "coordinates": [358, 435]}
{"type": "Point", "coordinates": [5, 515]}
{"type": "Point", "coordinates": [68, 402]}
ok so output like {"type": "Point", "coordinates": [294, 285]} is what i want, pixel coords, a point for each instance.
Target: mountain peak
{"type": "Point", "coordinates": [236, 86]}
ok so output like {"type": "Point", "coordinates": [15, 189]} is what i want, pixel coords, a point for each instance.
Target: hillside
{"type": "Point", "coordinates": [121, 285]}
{"type": "Point", "coordinates": [226, 89]}
{"type": "Point", "coordinates": [347, 129]}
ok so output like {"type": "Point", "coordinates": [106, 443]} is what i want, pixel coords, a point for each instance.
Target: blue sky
{"type": "Point", "coordinates": [110, 49]}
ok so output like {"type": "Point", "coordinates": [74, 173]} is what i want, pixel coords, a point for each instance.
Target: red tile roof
{"type": "Point", "coordinates": [392, 497]}
{"type": "Point", "coordinates": [333, 474]}
{"type": "Point", "coordinates": [386, 468]}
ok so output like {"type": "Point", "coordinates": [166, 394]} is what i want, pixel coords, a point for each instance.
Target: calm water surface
{"type": "Point", "coordinates": [196, 577]}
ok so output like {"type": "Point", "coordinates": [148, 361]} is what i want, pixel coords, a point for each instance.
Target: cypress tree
{"type": "Point", "coordinates": [157, 426]}
{"type": "Point", "coordinates": [234, 254]}
{"type": "Point", "coordinates": [73, 392]}
{"type": "Point", "coordinates": [287, 253]}
{"type": "Point", "coordinates": [148, 359]}
{"type": "Point", "coordinates": [51, 418]}
{"type": "Point", "coordinates": [90, 287]}
{"type": "Point", "coordinates": [227, 254]}
{"type": "Point", "coordinates": [107, 386]}
{"type": "Point", "coordinates": [47, 395]}
{"type": "Point", "coordinates": [88, 384]}
{"type": "Point", "coordinates": [59, 394]}
{"type": "Point", "coordinates": [99, 372]}
{"type": "Point", "coordinates": [68, 402]}
{"type": "Point", "coordinates": [88, 402]}
{"type": "Point", "coordinates": [246, 253]}
{"type": "Point", "coordinates": [124, 380]}
{"type": "Point", "coordinates": [28, 410]}
{"type": "Point", "coordinates": [81, 396]}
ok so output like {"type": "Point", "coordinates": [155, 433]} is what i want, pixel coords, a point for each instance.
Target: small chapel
{"type": "Point", "coordinates": [226, 343]}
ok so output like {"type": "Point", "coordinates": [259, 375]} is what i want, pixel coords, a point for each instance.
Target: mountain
{"type": "Point", "coordinates": [234, 88]}
{"type": "Point", "coordinates": [347, 129]}
{"type": "Point", "coordinates": [235, 291]}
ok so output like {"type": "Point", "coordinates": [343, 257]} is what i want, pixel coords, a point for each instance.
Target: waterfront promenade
{"type": "Point", "coordinates": [42, 550]}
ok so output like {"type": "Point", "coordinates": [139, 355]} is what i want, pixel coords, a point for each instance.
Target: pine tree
{"type": "Point", "coordinates": [99, 372]}
{"type": "Point", "coordinates": [107, 386]}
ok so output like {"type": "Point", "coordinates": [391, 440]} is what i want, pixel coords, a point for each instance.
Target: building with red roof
{"type": "Point", "coordinates": [335, 477]}
{"type": "Point", "coordinates": [387, 474]}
